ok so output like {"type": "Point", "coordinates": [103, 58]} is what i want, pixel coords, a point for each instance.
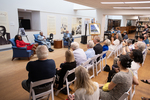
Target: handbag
{"type": "Point", "coordinates": [106, 68]}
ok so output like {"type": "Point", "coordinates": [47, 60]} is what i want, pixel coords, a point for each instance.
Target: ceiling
{"type": "Point", "coordinates": [97, 3]}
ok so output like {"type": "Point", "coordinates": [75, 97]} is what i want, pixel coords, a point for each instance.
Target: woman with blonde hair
{"type": "Point", "coordinates": [85, 88]}
{"type": "Point", "coordinates": [69, 64]}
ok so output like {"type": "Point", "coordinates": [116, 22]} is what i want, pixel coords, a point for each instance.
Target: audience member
{"type": "Point", "coordinates": [146, 40]}
{"type": "Point", "coordinates": [145, 31]}
{"type": "Point", "coordinates": [118, 31]}
{"type": "Point", "coordinates": [85, 88]}
{"type": "Point", "coordinates": [68, 37]}
{"type": "Point", "coordinates": [141, 38]}
{"type": "Point", "coordinates": [21, 43]}
{"type": "Point", "coordinates": [125, 35]}
{"type": "Point", "coordinates": [130, 45]}
{"type": "Point", "coordinates": [42, 38]}
{"type": "Point", "coordinates": [79, 54]}
{"type": "Point", "coordinates": [105, 46]}
{"type": "Point", "coordinates": [98, 47]}
{"type": "Point", "coordinates": [114, 70]}
{"type": "Point", "coordinates": [121, 82]}
{"type": "Point", "coordinates": [90, 52]}
{"type": "Point", "coordinates": [115, 43]}
{"type": "Point", "coordinates": [69, 64]}
{"type": "Point", "coordinates": [40, 69]}
{"type": "Point", "coordinates": [146, 81]}
{"type": "Point", "coordinates": [137, 57]}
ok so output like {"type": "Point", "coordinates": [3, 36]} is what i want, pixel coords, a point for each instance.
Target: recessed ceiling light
{"type": "Point", "coordinates": [122, 7]}
{"type": "Point", "coordinates": [137, 2]}
{"type": "Point", "coordinates": [112, 2]}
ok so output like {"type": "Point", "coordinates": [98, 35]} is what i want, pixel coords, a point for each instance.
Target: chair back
{"type": "Point", "coordinates": [125, 95]}
{"type": "Point", "coordinates": [43, 94]}
{"type": "Point", "coordinates": [69, 72]}
{"type": "Point", "coordinates": [12, 41]}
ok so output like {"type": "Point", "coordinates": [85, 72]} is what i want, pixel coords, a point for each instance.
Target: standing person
{"type": "Point", "coordinates": [145, 31]}
{"type": "Point", "coordinates": [68, 37]}
{"type": "Point", "coordinates": [98, 47]}
{"type": "Point", "coordinates": [42, 38]}
{"type": "Point", "coordinates": [90, 52]}
{"type": "Point", "coordinates": [121, 82]}
{"type": "Point", "coordinates": [125, 37]}
{"type": "Point", "coordinates": [79, 54]}
{"type": "Point", "coordinates": [69, 64]}
{"type": "Point", "coordinates": [21, 43]}
{"type": "Point", "coordinates": [40, 69]}
{"type": "Point", "coordinates": [85, 88]}
{"type": "Point", "coordinates": [105, 46]}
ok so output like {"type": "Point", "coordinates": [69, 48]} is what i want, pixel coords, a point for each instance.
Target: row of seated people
{"type": "Point", "coordinates": [79, 56]}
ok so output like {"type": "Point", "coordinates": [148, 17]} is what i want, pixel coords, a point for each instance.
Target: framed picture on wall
{"type": "Point", "coordinates": [94, 29]}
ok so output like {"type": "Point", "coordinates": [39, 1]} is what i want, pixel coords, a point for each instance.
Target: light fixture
{"type": "Point", "coordinates": [112, 2]}
{"type": "Point", "coordinates": [141, 7]}
{"type": "Point", "coordinates": [122, 7]}
{"type": "Point", "coordinates": [137, 2]}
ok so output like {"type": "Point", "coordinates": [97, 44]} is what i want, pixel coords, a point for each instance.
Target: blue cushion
{"type": "Point", "coordinates": [12, 41]}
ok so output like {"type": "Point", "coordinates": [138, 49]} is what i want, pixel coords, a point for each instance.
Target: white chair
{"type": "Point", "coordinates": [66, 80]}
{"type": "Point", "coordinates": [125, 95]}
{"type": "Point", "coordinates": [144, 52]}
{"type": "Point", "coordinates": [98, 62]}
{"type": "Point", "coordinates": [105, 58]}
{"type": "Point", "coordinates": [44, 94]}
{"type": "Point", "coordinates": [90, 64]}
{"type": "Point", "coordinates": [132, 93]}
{"type": "Point", "coordinates": [113, 52]}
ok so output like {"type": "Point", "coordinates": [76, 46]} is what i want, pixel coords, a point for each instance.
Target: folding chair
{"type": "Point", "coordinates": [125, 95]}
{"type": "Point", "coordinates": [90, 64]}
{"type": "Point", "coordinates": [66, 80]}
{"type": "Point", "coordinates": [104, 52]}
{"type": "Point", "coordinates": [112, 52]}
{"type": "Point", "coordinates": [98, 62]}
{"type": "Point", "coordinates": [44, 94]}
{"type": "Point", "coordinates": [144, 52]}
{"type": "Point", "coordinates": [132, 93]}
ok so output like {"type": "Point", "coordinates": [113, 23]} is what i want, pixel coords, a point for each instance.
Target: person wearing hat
{"type": "Point", "coordinates": [125, 35]}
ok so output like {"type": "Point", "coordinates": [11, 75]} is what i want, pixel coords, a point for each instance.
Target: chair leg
{"type": "Point", "coordinates": [13, 59]}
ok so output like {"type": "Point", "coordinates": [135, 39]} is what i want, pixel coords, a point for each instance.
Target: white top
{"type": "Point", "coordinates": [131, 47]}
{"type": "Point", "coordinates": [80, 94]}
{"type": "Point", "coordinates": [79, 56]}
{"type": "Point", "coordinates": [134, 67]}
{"type": "Point", "coordinates": [116, 43]}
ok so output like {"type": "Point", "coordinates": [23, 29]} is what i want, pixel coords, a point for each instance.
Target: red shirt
{"type": "Point", "coordinates": [21, 43]}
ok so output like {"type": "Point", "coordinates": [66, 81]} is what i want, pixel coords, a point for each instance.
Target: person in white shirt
{"type": "Point", "coordinates": [137, 57]}
{"type": "Point", "coordinates": [130, 45]}
{"type": "Point", "coordinates": [79, 54]}
{"type": "Point", "coordinates": [115, 43]}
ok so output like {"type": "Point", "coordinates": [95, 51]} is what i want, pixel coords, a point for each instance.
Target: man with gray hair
{"type": "Point", "coordinates": [79, 54]}
{"type": "Point", "coordinates": [40, 69]}
{"type": "Point", "coordinates": [42, 38]}
{"type": "Point", "coordinates": [90, 52]}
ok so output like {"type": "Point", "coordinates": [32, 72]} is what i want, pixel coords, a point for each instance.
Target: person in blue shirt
{"type": "Point", "coordinates": [90, 52]}
{"type": "Point", "coordinates": [125, 35]}
{"type": "Point", "coordinates": [105, 46]}
{"type": "Point", "coordinates": [146, 40]}
{"type": "Point", "coordinates": [118, 31]}
{"type": "Point", "coordinates": [68, 37]}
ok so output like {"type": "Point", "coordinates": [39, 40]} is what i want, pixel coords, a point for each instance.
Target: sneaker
{"type": "Point", "coordinates": [51, 50]}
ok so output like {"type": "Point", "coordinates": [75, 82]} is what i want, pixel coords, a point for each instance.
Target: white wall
{"type": "Point", "coordinates": [47, 7]}
{"type": "Point", "coordinates": [35, 22]}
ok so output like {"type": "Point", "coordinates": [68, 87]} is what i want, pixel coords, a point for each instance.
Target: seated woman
{"type": "Point", "coordinates": [105, 46]}
{"type": "Point", "coordinates": [130, 45]}
{"type": "Point", "coordinates": [69, 64]}
{"type": "Point", "coordinates": [21, 43]}
{"type": "Point", "coordinates": [137, 57]}
{"type": "Point", "coordinates": [115, 43]}
{"type": "Point", "coordinates": [90, 52]}
{"type": "Point", "coordinates": [121, 82]}
{"type": "Point", "coordinates": [114, 70]}
{"type": "Point", "coordinates": [85, 88]}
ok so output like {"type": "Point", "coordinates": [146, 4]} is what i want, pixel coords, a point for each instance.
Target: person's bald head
{"type": "Point", "coordinates": [41, 33]}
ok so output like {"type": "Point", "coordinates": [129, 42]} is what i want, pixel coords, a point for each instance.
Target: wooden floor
{"type": "Point", "coordinates": [13, 72]}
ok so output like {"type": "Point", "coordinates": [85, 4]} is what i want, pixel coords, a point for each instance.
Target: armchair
{"type": "Point", "coordinates": [36, 39]}
{"type": "Point", "coordinates": [20, 52]}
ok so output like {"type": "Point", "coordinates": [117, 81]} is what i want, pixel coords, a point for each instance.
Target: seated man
{"type": "Point", "coordinates": [146, 40]}
{"type": "Point", "coordinates": [40, 69]}
{"type": "Point", "coordinates": [125, 35]}
{"type": "Point", "coordinates": [79, 55]}
{"type": "Point", "coordinates": [145, 31]}
{"type": "Point", "coordinates": [98, 47]}
{"type": "Point", "coordinates": [90, 52]}
{"type": "Point", "coordinates": [68, 37]}
{"type": "Point", "coordinates": [42, 38]}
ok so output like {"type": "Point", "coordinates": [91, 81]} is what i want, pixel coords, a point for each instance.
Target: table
{"type": "Point", "coordinates": [57, 43]}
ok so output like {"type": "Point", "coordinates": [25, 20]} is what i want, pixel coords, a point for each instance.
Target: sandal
{"type": "Point", "coordinates": [145, 81]}
{"type": "Point", "coordinates": [143, 98]}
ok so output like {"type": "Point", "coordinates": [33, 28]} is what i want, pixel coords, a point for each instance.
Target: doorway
{"type": "Point", "coordinates": [112, 24]}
